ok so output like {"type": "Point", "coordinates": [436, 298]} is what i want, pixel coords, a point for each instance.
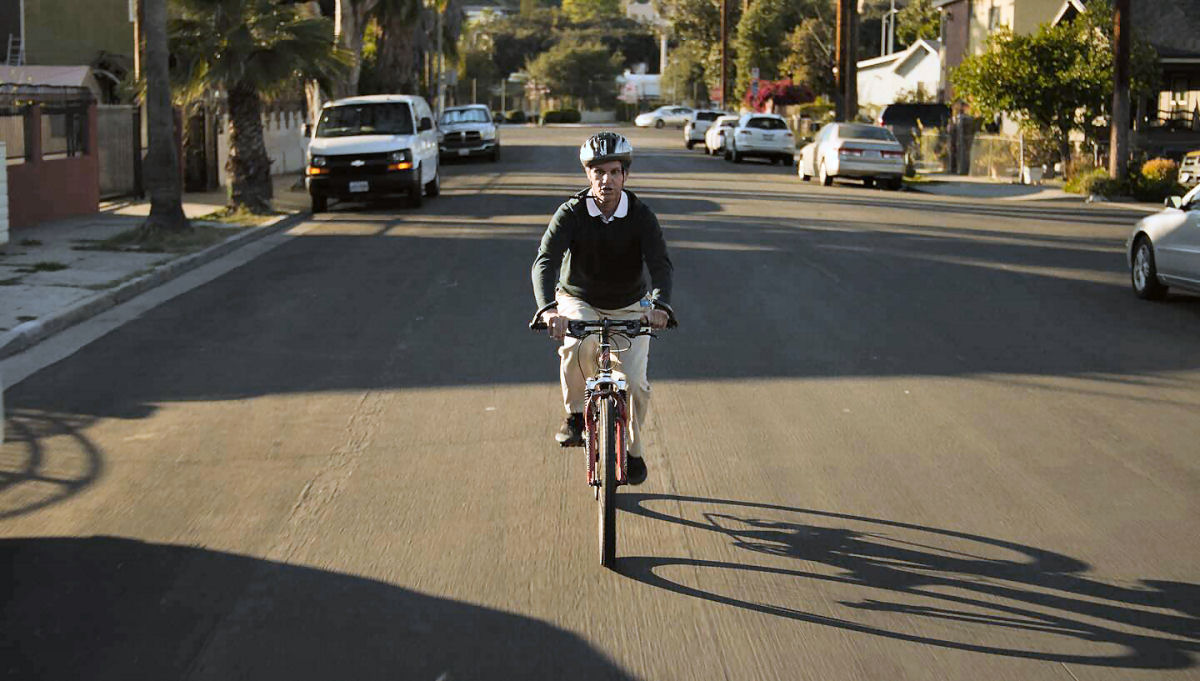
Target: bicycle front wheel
{"type": "Point", "coordinates": [607, 424]}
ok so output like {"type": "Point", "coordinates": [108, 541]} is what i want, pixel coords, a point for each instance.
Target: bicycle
{"type": "Point", "coordinates": [607, 420]}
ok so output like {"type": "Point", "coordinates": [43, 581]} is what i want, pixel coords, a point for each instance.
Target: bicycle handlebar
{"type": "Point", "coordinates": [580, 328]}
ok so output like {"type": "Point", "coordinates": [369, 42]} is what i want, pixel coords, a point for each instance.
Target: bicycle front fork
{"type": "Point", "coordinates": [593, 427]}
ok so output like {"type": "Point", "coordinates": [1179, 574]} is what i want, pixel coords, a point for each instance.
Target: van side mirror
{"type": "Point", "coordinates": [1173, 202]}
{"type": "Point", "coordinates": [426, 124]}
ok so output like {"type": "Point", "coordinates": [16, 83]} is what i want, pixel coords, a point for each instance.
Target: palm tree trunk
{"type": "Point", "coordinates": [162, 158]}
{"type": "Point", "coordinates": [249, 166]}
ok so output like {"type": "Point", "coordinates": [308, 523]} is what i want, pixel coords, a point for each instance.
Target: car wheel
{"type": "Point", "coordinates": [415, 193]}
{"type": "Point", "coordinates": [320, 204]}
{"type": "Point", "coordinates": [734, 155]}
{"type": "Point", "coordinates": [496, 154]}
{"type": "Point", "coordinates": [1144, 273]}
{"type": "Point", "coordinates": [658, 123]}
{"type": "Point", "coordinates": [434, 186]}
{"type": "Point", "coordinates": [690, 144]}
{"type": "Point", "coordinates": [728, 156]}
{"type": "Point", "coordinates": [895, 184]}
{"type": "Point", "coordinates": [824, 176]}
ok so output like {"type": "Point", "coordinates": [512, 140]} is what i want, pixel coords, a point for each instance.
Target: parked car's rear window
{"type": "Point", "coordinates": [855, 131]}
{"type": "Point", "coordinates": [365, 119]}
{"type": "Point", "coordinates": [707, 116]}
{"type": "Point", "coordinates": [766, 124]}
{"type": "Point", "coordinates": [727, 123]}
{"type": "Point", "coordinates": [451, 116]}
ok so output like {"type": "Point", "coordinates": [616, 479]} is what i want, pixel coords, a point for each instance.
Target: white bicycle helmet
{"type": "Point", "coordinates": [606, 146]}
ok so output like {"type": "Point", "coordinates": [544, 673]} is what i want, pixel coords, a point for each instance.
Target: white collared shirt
{"type": "Point", "coordinates": [621, 211]}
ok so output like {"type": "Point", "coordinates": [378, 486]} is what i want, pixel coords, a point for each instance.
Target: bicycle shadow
{"type": "Point", "coordinates": [1034, 591]}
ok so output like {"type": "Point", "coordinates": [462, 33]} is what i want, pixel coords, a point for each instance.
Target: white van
{"type": "Point", "coordinates": [373, 146]}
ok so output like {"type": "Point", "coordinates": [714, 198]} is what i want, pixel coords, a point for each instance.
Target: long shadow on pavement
{"type": "Point", "coordinates": [973, 586]}
{"type": "Point", "coordinates": [115, 608]}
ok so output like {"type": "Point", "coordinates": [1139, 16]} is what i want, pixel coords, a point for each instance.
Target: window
{"type": "Point", "coordinates": [365, 119]}
{"type": "Point", "coordinates": [64, 133]}
{"type": "Point", "coordinates": [993, 18]}
{"type": "Point", "coordinates": [1179, 91]}
{"type": "Point", "coordinates": [766, 124]}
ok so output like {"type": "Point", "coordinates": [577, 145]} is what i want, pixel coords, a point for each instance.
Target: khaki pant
{"type": "Point", "coordinates": [579, 361]}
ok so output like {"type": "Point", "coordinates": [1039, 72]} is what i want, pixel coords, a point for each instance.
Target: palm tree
{"type": "Point", "coordinates": [251, 49]}
{"type": "Point", "coordinates": [162, 160]}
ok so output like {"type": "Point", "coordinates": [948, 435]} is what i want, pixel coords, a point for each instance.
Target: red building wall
{"type": "Point", "coordinates": [41, 189]}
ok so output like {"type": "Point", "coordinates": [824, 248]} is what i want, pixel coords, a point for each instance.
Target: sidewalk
{"type": "Point", "coordinates": [50, 279]}
{"type": "Point", "coordinates": [1001, 190]}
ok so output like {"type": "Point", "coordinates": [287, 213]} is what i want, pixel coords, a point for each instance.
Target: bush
{"type": "Point", "coordinates": [515, 116]}
{"type": "Point", "coordinates": [1089, 181]}
{"type": "Point", "coordinates": [1157, 179]}
{"type": "Point", "coordinates": [571, 116]}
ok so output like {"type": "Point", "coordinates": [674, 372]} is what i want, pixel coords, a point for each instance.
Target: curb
{"type": "Point", "coordinates": [24, 336]}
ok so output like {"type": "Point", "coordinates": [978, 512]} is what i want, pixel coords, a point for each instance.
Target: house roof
{"type": "Point", "coordinates": [73, 76]}
{"type": "Point", "coordinates": [1172, 27]}
{"type": "Point", "coordinates": [896, 60]}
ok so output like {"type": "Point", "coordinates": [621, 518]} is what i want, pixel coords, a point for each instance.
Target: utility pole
{"type": "Point", "coordinates": [847, 66]}
{"type": "Point", "coordinates": [724, 55]}
{"type": "Point", "coordinates": [1118, 147]}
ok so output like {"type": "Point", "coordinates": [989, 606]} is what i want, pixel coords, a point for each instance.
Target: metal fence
{"type": "Point", "coordinates": [118, 133]}
{"type": "Point", "coordinates": [994, 156]}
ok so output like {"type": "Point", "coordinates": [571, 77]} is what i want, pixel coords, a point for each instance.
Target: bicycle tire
{"type": "Point", "coordinates": [608, 483]}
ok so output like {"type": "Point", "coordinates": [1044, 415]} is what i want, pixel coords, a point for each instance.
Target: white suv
{"type": "Point", "coordinates": [763, 136]}
{"type": "Point", "coordinates": [698, 124]}
{"type": "Point", "coordinates": [373, 146]}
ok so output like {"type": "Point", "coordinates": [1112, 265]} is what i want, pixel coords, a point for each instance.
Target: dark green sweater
{"type": "Point", "coordinates": [602, 263]}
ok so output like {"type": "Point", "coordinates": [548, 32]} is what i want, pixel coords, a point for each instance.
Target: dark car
{"type": "Point", "coordinates": [907, 120]}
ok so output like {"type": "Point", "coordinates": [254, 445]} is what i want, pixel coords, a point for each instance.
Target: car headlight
{"type": "Point", "coordinates": [399, 156]}
{"type": "Point", "coordinates": [488, 133]}
{"type": "Point", "coordinates": [317, 162]}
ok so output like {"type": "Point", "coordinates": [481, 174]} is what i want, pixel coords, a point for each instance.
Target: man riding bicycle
{"type": "Point", "coordinates": [590, 264]}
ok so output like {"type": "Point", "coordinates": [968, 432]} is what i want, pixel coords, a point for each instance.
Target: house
{"type": "Point", "coordinates": [966, 25]}
{"type": "Point", "coordinates": [1167, 123]}
{"type": "Point", "coordinates": [887, 79]}
{"type": "Point", "coordinates": [94, 33]}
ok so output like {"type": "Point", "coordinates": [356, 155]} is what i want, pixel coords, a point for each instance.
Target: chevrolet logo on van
{"type": "Point", "coordinates": [358, 163]}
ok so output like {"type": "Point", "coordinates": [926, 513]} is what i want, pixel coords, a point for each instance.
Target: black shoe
{"type": "Point", "coordinates": [571, 432]}
{"type": "Point", "coordinates": [635, 471]}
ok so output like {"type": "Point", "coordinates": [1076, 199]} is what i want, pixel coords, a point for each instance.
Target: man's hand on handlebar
{"type": "Point", "coordinates": [556, 323]}
{"type": "Point", "coordinates": [657, 319]}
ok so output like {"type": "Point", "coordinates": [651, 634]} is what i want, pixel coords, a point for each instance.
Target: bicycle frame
{"type": "Point", "coordinates": [605, 386]}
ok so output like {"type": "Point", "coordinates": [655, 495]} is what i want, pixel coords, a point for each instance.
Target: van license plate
{"type": "Point", "coordinates": [464, 152]}
{"type": "Point", "coordinates": [360, 186]}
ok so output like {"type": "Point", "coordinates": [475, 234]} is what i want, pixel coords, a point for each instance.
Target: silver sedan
{"type": "Point", "coordinates": [1164, 249]}
{"type": "Point", "coordinates": [867, 152]}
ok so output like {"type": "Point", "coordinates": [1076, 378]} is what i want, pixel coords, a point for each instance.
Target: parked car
{"type": "Point", "coordinates": [1189, 169]}
{"type": "Point", "coordinates": [867, 152]}
{"type": "Point", "coordinates": [907, 120]}
{"type": "Point", "coordinates": [1164, 248]}
{"type": "Point", "coordinates": [714, 137]}
{"type": "Point", "coordinates": [664, 115]}
{"type": "Point", "coordinates": [468, 131]}
{"type": "Point", "coordinates": [761, 135]}
{"type": "Point", "coordinates": [698, 124]}
{"type": "Point", "coordinates": [373, 146]}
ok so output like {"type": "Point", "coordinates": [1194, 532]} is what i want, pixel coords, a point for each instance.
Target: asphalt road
{"type": "Point", "coordinates": [895, 437]}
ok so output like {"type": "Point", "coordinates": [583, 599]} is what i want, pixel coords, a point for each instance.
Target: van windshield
{"type": "Point", "coordinates": [365, 119]}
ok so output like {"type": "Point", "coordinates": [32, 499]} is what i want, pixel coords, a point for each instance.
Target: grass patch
{"type": "Point", "coordinates": [30, 242]}
{"type": "Point", "coordinates": [241, 217]}
{"type": "Point", "coordinates": [196, 238]}
{"type": "Point", "coordinates": [43, 266]}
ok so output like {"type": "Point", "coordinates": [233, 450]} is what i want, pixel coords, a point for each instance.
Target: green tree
{"type": "Point", "coordinates": [590, 10]}
{"type": "Point", "coordinates": [919, 21]}
{"type": "Point", "coordinates": [761, 39]}
{"type": "Point", "coordinates": [811, 56]}
{"type": "Point", "coordinates": [584, 71]}
{"type": "Point", "coordinates": [684, 78]}
{"type": "Point", "coordinates": [250, 49]}
{"type": "Point", "coordinates": [1056, 80]}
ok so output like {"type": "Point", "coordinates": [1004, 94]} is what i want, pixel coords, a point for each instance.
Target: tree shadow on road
{"type": "Point", "coordinates": [936, 586]}
{"type": "Point", "coordinates": [115, 608]}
